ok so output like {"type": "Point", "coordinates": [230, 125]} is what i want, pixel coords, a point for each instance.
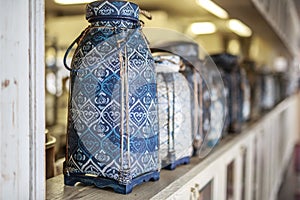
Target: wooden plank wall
{"type": "Point", "coordinates": [21, 100]}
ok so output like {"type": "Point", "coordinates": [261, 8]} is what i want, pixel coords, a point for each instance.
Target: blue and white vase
{"type": "Point", "coordinates": [255, 82]}
{"type": "Point", "coordinates": [112, 136]}
{"type": "Point", "coordinates": [218, 95]}
{"type": "Point", "coordinates": [175, 123]}
{"type": "Point", "coordinates": [231, 75]}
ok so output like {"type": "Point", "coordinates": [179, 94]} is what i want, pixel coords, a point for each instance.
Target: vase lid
{"type": "Point", "coordinates": [184, 49]}
{"type": "Point", "coordinates": [166, 63]}
{"type": "Point", "coordinates": [226, 61]}
{"type": "Point", "coordinates": [112, 10]}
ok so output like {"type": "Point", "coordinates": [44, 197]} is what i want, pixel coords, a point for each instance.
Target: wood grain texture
{"type": "Point", "coordinates": [14, 101]}
{"type": "Point", "coordinates": [21, 100]}
{"type": "Point", "coordinates": [37, 99]}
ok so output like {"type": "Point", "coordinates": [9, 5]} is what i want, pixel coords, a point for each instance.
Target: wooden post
{"type": "Point", "coordinates": [22, 100]}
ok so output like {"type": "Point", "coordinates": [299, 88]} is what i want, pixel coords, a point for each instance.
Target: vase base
{"type": "Point", "coordinates": [181, 161]}
{"type": "Point", "coordinates": [101, 182]}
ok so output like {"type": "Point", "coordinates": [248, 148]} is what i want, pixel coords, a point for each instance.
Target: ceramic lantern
{"type": "Point", "coordinates": [219, 105]}
{"type": "Point", "coordinates": [112, 136]}
{"type": "Point", "coordinates": [246, 95]}
{"type": "Point", "coordinates": [200, 103]}
{"type": "Point", "coordinates": [255, 82]}
{"type": "Point", "coordinates": [230, 71]}
{"type": "Point", "coordinates": [268, 89]}
{"type": "Point", "coordinates": [174, 105]}
{"type": "Point", "coordinates": [208, 104]}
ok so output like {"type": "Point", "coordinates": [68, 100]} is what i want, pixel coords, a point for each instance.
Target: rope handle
{"type": "Point", "coordinates": [146, 13]}
{"type": "Point", "coordinates": [183, 59]}
{"type": "Point", "coordinates": [76, 41]}
{"type": "Point", "coordinates": [67, 53]}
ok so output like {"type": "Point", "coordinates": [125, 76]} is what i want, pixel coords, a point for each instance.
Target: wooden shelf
{"type": "Point", "coordinates": [57, 190]}
{"type": "Point", "coordinates": [177, 184]}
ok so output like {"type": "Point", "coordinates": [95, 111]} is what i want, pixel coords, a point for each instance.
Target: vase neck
{"type": "Point", "coordinates": [116, 23]}
{"type": "Point", "coordinates": [113, 14]}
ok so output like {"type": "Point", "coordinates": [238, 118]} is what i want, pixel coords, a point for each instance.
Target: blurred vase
{"type": "Point", "coordinates": [230, 71]}
{"type": "Point", "coordinates": [282, 85]}
{"type": "Point", "coordinates": [218, 110]}
{"type": "Point", "coordinates": [246, 95]}
{"type": "Point", "coordinates": [194, 71]}
{"type": "Point", "coordinates": [174, 105]}
{"type": "Point", "coordinates": [255, 82]}
{"type": "Point", "coordinates": [268, 90]}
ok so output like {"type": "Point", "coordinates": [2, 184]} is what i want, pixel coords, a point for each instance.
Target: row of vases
{"type": "Point", "coordinates": [267, 88]}
{"type": "Point", "coordinates": [133, 111]}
